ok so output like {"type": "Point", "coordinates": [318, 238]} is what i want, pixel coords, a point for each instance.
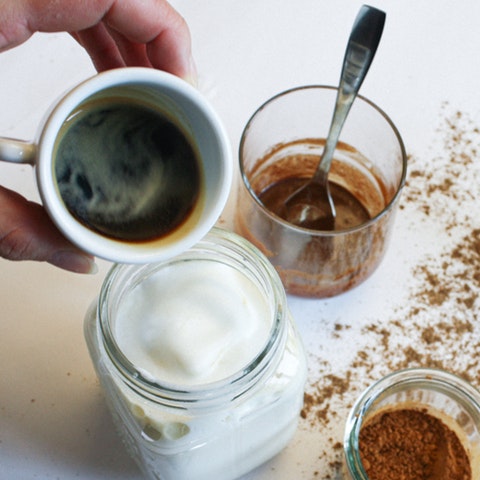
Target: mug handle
{"type": "Point", "coordinates": [17, 151]}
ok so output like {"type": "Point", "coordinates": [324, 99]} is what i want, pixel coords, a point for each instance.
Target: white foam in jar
{"type": "Point", "coordinates": [200, 360]}
{"type": "Point", "coordinates": [193, 323]}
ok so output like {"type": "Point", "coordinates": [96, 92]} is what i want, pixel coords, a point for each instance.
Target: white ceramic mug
{"type": "Point", "coordinates": [180, 103]}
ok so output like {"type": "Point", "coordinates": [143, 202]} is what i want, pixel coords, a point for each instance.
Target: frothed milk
{"type": "Point", "coordinates": [219, 326]}
{"type": "Point", "coordinates": [115, 165]}
{"type": "Point", "coordinates": [200, 361]}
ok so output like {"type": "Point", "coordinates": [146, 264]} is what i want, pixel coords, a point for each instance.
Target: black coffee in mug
{"type": "Point", "coordinates": [125, 170]}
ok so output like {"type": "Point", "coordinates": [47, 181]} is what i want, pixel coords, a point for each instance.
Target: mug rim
{"type": "Point", "coordinates": [116, 250]}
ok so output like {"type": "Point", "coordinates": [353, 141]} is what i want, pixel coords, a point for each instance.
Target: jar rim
{"type": "Point", "coordinates": [360, 99]}
{"type": "Point", "coordinates": [434, 379]}
{"type": "Point", "coordinates": [233, 248]}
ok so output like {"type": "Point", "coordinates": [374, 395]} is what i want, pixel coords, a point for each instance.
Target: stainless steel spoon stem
{"type": "Point", "coordinates": [361, 48]}
{"type": "Point", "coordinates": [312, 206]}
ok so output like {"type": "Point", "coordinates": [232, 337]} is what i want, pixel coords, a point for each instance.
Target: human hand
{"type": "Point", "coordinates": [115, 33]}
{"type": "Point", "coordinates": [28, 233]}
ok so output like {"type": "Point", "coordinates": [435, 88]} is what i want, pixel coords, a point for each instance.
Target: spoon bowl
{"type": "Point", "coordinates": [311, 205]}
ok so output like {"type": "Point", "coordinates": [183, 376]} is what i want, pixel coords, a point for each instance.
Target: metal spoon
{"type": "Point", "coordinates": [311, 206]}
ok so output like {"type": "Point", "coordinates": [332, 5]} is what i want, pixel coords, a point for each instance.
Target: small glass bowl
{"type": "Point", "coordinates": [441, 394]}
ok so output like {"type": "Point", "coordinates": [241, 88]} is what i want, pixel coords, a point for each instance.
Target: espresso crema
{"type": "Point", "coordinates": [125, 170]}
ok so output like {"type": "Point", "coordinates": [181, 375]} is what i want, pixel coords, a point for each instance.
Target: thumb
{"type": "Point", "coordinates": [28, 233]}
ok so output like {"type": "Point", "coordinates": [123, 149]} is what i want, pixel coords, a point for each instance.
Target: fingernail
{"type": "Point", "coordinates": [74, 262]}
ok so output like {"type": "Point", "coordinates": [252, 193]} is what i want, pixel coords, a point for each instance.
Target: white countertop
{"type": "Point", "coordinates": [421, 307]}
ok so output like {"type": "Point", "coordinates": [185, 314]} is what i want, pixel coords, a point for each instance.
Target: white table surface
{"type": "Point", "coordinates": [53, 422]}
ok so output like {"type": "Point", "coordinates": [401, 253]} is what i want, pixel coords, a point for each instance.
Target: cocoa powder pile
{"type": "Point", "coordinates": [437, 322]}
{"type": "Point", "coordinates": [412, 444]}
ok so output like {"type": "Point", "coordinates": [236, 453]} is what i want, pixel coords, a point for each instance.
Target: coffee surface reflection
{"type": "Point", "coordinates": [126, 171]}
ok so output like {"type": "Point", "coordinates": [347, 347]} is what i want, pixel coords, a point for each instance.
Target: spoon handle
{"type": "Point", "coordinates": [362, 45]}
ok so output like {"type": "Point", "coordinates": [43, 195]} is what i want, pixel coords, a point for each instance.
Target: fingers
{"type": "Point", "coordinates": [14, 28]}
{"type": "Point", "coordinates": [133, 53]}
{"type": "Point", "coordinates": [109, 49]}
{"type": "Point", "coordinates": [163, 54]}
{"type": "Point", "coordinates": [27, 233]}
{"type": "Point", "coordinates": [160, 28]}
{"type": "Point", "coordinates": [114, 32]}
{"type": "Point", "coordinates": [102, 48]}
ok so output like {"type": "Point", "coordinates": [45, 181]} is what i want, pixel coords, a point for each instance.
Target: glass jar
{"type": "Point", "coordinates": [218, 430]}
{"type": "Point", "coordinates": [441, 394]}
{"type": "Point", "coordinates": [283, 140]}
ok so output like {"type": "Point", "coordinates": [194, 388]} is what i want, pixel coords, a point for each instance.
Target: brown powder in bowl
{"type": "Point", "coordinates": [412, 444]}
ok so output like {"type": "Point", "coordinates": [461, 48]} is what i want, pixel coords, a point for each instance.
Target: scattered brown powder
{"type": "Point", "coordinates": [318, 401]}
{"type": "Point", "coordinates": [440, 314]}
